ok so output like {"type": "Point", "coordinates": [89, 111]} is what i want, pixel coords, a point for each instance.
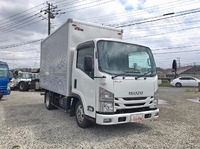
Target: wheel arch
{"type": "Point", "coordinates": [178, 84]}
{"type": "Point", "coordinates": [76, 98]}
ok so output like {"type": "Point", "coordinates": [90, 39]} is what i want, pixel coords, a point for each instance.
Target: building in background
{"type": "Point", "coordinates": [193, 71]}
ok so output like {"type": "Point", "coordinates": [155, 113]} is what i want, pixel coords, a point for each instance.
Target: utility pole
{"type": "Point", "coordinates": [179, 62]}
{"type": "Point", "coordinates": [49, 11]}
{"type": "Point", "coordinates": [49, 19]}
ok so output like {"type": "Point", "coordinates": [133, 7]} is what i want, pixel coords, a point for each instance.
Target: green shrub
{"type": "Point", "coordinates": [165, 83]}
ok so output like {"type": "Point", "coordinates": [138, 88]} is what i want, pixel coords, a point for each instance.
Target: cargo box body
{"type": "Point", "coordinates": [57, 52]}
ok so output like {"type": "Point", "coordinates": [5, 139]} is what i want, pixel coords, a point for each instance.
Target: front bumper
{"type": "Point", "coordinates": [103, 119]}
{"type": "Point", "coordinates": [4, 92]}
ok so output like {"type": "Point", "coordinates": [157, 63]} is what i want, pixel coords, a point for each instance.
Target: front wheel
{"type": "Point", "coordinates": [1, 96]}
{"type": "Point", "coordinates": [23, 86]}
{"type": "Point", "coordinates": [80, 118]}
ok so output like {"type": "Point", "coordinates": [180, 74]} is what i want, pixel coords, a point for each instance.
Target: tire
{"type": "Point", "coordinates": [23, 86]}
{"type": "Point", "coordinates": [80, 116]}
{"type": "Point", "coordinates": [178, 84]}
{"type": "Point", "coordinates": [48, 101]}
{"type": "Point", "coordinates": [1, 96]}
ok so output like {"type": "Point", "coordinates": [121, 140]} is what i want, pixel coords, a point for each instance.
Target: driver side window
{"type": "Point", "coordinates": [81, 54]}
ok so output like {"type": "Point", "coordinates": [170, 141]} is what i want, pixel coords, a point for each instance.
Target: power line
{"type": "Point", "coordinates": [158, 18]}
{"type": "Point", "coordinates": [22, 22]}
{"type": "Point", "coordinates": [13, 16]}
{"type": "Point", "coordinates": [87, 6]}
{"type": "Point", "coordinates": [18, 51]}
{"type": "Point", "coordinates": [13, 29]}
{"type": "Point", "coordinates": [20, 59]}
{"type": "Point", "coordinates": [140, 12]}
{"type": "Point", "coordinates": [19, 44]}
{"type": "Point", "coordinates": [176, 52]}
{"type": "Point", "coordinates": [165, 25]}
{"type": "Point", "coordinates": [176, 47]}
{"type": "Point", "coordinates": [165, 33]}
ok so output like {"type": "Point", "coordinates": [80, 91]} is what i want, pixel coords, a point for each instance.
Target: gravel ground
{"type": "Point", "coordinates": [26, 124]}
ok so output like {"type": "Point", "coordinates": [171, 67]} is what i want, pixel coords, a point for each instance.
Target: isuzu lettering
{"type": "Point", "coordinates": [88, 70]}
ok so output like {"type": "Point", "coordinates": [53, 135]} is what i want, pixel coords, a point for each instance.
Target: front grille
{"type": "Point", "coordinates": [136, 104]}
{"type": "Point", "coordinates": [131, 104]}
{"type": "Point", "coordinates": [2, 88]}
{"type": "Point", "coordinates": [135, 98]}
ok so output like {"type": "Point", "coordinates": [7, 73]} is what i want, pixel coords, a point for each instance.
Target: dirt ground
{"type": "Point", "coordinates": [25, 123]}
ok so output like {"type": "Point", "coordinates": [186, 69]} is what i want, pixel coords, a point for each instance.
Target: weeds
{"type": "Point", "coordinates": [192, 90]}
{"type": "Point", "coordinates": [165, 83]}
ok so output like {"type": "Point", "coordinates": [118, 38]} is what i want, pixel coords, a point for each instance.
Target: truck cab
{"type": "Point", "coordinates": [4, 79]}
{"type": "Point", "coordinates": [25, 81]}
{"type": "Point", "coordinates": [115, 80]}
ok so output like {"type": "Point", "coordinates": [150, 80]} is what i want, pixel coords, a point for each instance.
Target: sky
{"type": "Point", "coordinates": [171, 28]}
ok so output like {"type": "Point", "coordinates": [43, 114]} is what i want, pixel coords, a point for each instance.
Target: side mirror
{"type": "Point", "coordinates": [10, 75]}
{"type": "Point", "coordinates": [88, 64]}
{"type": "Point", "coordinates": [15, 74]}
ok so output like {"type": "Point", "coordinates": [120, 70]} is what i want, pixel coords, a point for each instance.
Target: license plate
{"type": "Point", "coordinates": [136, 117]}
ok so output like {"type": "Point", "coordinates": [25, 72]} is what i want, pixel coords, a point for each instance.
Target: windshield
{"type": "Point", "coordinates": [125, 59]}
{"type": "Point", "coordinates": [3, 71]}
{"type": "Point", "coordinates": [36, 76]}
{"type": "Point", "coordinates": [25, 75]}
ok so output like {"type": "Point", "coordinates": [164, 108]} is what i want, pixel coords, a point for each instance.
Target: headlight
{"type": "Point", "coordinates": [107, 107]}
{"type": "Point", "coordinates": [106, 99]}
{"type": "Point", "coordinates": [155, 101]}
{"type": "Point", "coordinates": [8, 86]}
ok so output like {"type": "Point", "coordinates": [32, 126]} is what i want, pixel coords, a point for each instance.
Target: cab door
{"type": "Point", "coordinates": [83, 83]}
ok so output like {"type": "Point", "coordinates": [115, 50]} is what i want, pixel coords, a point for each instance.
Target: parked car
{"type": "Point", "coordinates": [185, 81]}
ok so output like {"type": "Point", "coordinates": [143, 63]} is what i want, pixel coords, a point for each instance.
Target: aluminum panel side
{"type": "Point", "coordinates": [55, 63]}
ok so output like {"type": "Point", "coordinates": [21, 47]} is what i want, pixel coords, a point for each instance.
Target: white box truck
{"type": "Point", "coordinates": [88, 70]}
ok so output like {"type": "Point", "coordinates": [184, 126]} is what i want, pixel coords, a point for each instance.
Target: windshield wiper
{"type": "Point", "coordinates": [144, 75]}
{"type": "Point", "coordinates": [125, 73]}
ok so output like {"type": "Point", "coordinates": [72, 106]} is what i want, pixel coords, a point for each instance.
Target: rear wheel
{"type": "Point", "coordinates": [80, 118]}
{"type": "Point", "coordinates": [49, 100]}
{"type": "Point", "coordinates": [1, 96]}
{"type": "Point", "coordinates": [178, 84]}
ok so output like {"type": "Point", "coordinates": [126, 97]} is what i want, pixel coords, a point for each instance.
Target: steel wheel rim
{"type": "Point", "coordinates": [79, 114]}
{"type": "Point", "coordinates": [21, 86]}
